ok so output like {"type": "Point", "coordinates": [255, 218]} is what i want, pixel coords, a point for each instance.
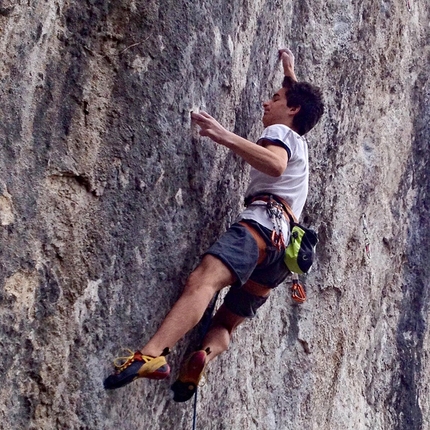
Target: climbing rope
{"type": "Point", "coordinates": [195, 409]}
{"type": "Point", "coordinates": [206, 322]}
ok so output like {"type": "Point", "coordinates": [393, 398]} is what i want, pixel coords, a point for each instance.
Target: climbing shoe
{"type": "Point", "coordinates": [137, 366]}
{"type": "Point", "coordinates": [191, 372]}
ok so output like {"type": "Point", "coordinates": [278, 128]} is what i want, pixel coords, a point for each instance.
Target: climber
{"type": "Point", "coordinates": [249, 256]}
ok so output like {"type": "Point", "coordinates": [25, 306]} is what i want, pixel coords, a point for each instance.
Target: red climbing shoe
{"type": "Point", "coordinates": [137, 366]}
{"type": "Point", "coordinates": [191, 372]}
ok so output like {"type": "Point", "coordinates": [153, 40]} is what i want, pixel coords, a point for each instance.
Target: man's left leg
{"type": "Point", "coordinates": [230, 316]}
{"type": "Point", "coordinates": [243, 302]}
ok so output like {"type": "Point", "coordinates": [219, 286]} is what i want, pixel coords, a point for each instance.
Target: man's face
{"type": "Point", "coordinates": [276, 110]}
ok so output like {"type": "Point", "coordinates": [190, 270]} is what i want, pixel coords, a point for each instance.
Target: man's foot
{"type": "Point", "coordinates": [137, 366]}
{"type": "Point", "coordinates": [191, 372]}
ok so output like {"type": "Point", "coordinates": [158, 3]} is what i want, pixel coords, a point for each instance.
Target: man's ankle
{"type": "Point", "coordinates": [154, 352]}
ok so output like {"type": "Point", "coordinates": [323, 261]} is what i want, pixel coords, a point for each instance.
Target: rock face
{"type": "Point", "coordinates": [108, 197]}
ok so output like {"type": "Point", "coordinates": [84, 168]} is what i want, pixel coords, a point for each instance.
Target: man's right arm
{"type": "Point", "coordinates": [269, 159]}
{"type": "Point", "coordinates": [287, 58]}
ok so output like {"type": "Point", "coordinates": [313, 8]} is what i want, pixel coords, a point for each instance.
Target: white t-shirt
{"type": "Point", "coordinates": [292, 185]}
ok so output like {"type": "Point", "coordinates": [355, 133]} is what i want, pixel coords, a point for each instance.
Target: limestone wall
{"type": "Point", "coordinates": [108, 197]}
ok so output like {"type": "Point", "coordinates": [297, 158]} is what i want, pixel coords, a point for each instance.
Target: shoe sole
{"type": "Point", "coordinates": [186, 385]}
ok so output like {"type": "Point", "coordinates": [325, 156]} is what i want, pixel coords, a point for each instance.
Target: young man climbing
{"type": "Point", "coordinates": [250, 255]}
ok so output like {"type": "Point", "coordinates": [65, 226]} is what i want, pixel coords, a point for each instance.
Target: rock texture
{"type": "Point", "coordinates": [108, 197]}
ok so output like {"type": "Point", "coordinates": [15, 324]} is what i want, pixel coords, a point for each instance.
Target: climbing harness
{"type": "Point", "coordinates": [300, 250]}
{"type": "Point", "coordinates": [366, 237]}
{"type": "Point", "coordinates": [276, 212]}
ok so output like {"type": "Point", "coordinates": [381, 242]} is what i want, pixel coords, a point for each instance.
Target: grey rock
{"type": "Point", "coordinates": [108, 197]}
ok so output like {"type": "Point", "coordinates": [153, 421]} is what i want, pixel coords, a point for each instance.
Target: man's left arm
{"type": "Point", "coordinates": [287, 58]}
{"type": "Point", "coordinates": [269, 159]}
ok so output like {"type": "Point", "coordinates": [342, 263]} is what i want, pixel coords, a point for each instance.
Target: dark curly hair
{"type": "Point", "coordinates": [310, 100]}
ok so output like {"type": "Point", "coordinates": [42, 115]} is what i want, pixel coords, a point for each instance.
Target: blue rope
{"type": "Point", "coordinates": [195, 410]}
{"type": "Point", "coordinates": [204, 331]}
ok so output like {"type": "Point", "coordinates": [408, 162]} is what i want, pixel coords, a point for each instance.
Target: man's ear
{"type": "Point", "coordinates": [294, 110]}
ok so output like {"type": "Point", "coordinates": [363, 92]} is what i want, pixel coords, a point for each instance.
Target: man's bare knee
{"type": "Point", "coordinates": [211, 274]}
{"type": "Point", "coordinates": [226, 319]}
{"type": "Point", "coordinates": [224, 325]}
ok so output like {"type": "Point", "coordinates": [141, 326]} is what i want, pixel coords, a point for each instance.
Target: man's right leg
{"type": "Point", "coordinates": [209, 277]}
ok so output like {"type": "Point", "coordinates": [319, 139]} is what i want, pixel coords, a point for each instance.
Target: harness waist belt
{"type": "Point", "coordinates": [271, 198]}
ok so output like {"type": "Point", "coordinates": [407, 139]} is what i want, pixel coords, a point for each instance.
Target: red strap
{"type": "Point", "coordinates": [260, 241]}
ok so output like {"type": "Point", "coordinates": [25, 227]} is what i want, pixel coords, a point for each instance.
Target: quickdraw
{"type": "Point", "coordinates": [366, 237]}
{"type": "Point", "coordinates": [298, 292]}
{"type": "Point", "coordinates": [276, 214]}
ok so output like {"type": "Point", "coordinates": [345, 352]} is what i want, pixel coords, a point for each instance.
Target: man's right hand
{"type": "Point", "coordinates": [210, 127]}
{"type": "Point", "coordinates": [287, 58]}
